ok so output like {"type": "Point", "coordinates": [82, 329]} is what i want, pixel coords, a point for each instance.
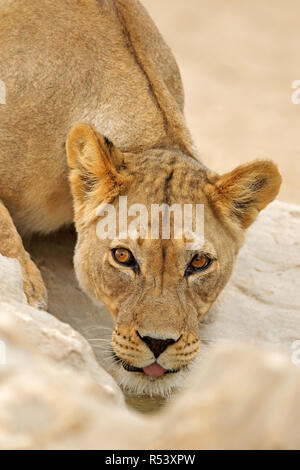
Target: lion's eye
{"type": "Point", "coordinates": [198, 263]}
{"type": "Point", "coordinates": [123, 256]}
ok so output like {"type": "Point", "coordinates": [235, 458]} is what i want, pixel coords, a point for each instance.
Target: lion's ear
{"type": "Point", "coordinates": [94, 163]}
{"type": "Point", "coordinates": [245, 191]}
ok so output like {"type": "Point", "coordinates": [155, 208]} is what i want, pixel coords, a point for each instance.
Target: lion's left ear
{"type": "Point", "coordinates": [245, 191]}
{"type": "Point", "coordinates": [94, 163]}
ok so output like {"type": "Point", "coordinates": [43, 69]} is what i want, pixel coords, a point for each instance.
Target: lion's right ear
{"type": "Point", "coordinates": [94, 163]}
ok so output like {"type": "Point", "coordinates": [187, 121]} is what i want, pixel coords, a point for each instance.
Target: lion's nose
{"type": "Point", "coordinates": [157, 346]}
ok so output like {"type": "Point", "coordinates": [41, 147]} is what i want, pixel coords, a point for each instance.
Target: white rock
{"type": "Point", "coordinates": [46, 404]}
{"type": "Point", "coordinates": [244, 397]}
{"type": "Point", "coordinates": [11, 282]}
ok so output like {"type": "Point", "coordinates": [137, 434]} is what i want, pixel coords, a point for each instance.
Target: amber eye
{"type": "Point", "coordinates": [198, 263]}
{"type": "Point", "coordinates": [123, 256]}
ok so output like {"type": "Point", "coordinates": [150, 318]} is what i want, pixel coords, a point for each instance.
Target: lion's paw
{"type": "Point", "coordinates": [33, 285]}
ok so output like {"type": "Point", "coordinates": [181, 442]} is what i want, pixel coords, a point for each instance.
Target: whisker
{"type": "Point", "coordinates": [103, 340]}
{"type": "Point", "coordinates": [103, 351]}
{"type": "Point", "coordinates": [109, 359]}
{"type": "Point", "coordinates": [101, 347]}
{"type": "Point", "coordinates": [97, 327]}
{"type": "Point", "coordinates": [99, 331]}
{"type": "Point", "coordinates": [100, 336]}
{"type": "Point", "coordinates": [100, 352]}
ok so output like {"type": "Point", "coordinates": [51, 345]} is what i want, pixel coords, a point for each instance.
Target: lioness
{"type": "Point", "coordinates": [94, 111]}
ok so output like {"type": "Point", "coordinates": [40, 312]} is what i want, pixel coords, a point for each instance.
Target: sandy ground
{"type": "Point", "coordinates": [238, 60]}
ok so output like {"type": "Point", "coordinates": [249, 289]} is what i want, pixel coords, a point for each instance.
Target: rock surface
{"type": "Point", "coordinates": [54, 394]}
{"type": "Point", "coordinates": [46, 403]}
{"type": "Point", "coordinates": [11, 282]}
{"type": "Point", "coordinates": [245, 397]}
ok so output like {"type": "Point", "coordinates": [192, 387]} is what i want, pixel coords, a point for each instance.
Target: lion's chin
{"type": "Point", "coordinates": [137, 382]}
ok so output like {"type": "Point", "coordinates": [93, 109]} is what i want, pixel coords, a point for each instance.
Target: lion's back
{"type": "Point", "coordinates": [65, 62]}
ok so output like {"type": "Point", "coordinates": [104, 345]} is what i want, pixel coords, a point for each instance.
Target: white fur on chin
{"type": "Point", "coordinates": [138, 383]}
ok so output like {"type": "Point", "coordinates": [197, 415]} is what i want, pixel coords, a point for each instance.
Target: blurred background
{"type": "Point", "coordinates": [238, 60]}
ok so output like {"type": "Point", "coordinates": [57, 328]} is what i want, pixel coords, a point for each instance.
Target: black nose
{"type": "Point", "coordinates": [157, 346]}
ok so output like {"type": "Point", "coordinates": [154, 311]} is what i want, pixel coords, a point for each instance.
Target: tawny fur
{"type": "Point", "coordinates": [85, 69]}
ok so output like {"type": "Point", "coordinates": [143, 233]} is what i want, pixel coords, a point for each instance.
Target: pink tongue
{"type": "Point", "coordinates": [154, 370]}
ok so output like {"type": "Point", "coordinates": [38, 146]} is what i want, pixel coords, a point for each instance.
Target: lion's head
{"type": "Point", "coordinates": [157, 289]}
